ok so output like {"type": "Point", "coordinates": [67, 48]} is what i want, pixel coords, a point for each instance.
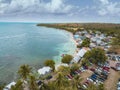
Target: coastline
{"type": "Point", "coordinates": [73, 41]}
{"type": "Point", "coordinates": [71, 38]}
{"type": "Point", "coordinates": [34, 60]}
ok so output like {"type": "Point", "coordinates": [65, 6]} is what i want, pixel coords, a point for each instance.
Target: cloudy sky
{"type": "Point", "coordinates": [60, 10]}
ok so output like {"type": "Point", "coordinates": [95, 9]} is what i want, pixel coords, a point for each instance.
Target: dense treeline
{"type": "Point", "coordinates": [108, 28]}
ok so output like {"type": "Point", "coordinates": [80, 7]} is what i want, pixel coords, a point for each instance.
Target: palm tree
{"type": "Point", "coordinates": [65, 70]}
{"type": "Point", "coordinates": [24, 71]}
{"type": "Point", "coordinates": [76, 82]}
{"type": "Point", "coordinates": [92, 87]}
{"type": "Point", "coordinates": [2, 86]}
{"type": "Point", "coordinates": [51, 86]}
{"type": "Point", "coordinates": [96, 87]}
{"type": "Point", "coordinates": [17, 86]}
{"type": "Point", "coordinates": [101, 87]}
{"type": "Point", "coordinates": [74, 67]}
{"type": "Point", "coordinates": [44, 86]}
{"type": "Point", "coordinates": [61, 81]}
{"type": "Point", "coordinates": [32, 83]}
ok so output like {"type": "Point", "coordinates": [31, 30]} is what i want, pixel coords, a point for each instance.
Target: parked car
{"type": "Point", "coordinates": [49, 77]}
{"type": "Point", "coordinates": [69, 76]}
{"type": "Point", "coordinates": [119, 80]}
{"type": "Point", "coordinates": [114, 68]}
{"type": "Point", "coordinates": [92, 69]}
{"type": "Point", "coordinates": [79, 71]}
{"type": "Point", "coordinates": [39, 82]}
{"type": "Point", "coordinates": [82, 69]}
{"type": "Point", "coordinates": [118, 86]}
{"type": "Point", "coordinates": [84, 86]}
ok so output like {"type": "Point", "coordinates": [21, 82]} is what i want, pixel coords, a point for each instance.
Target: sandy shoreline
{"type": "Point", "coordinates": [74, 41]}
{"type": "Point", "coordinates": [72, 38]}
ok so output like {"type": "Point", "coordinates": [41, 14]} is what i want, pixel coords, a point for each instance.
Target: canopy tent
{"type": "Point", "coordinates": [8, 87]}
{"type": "Point", "coordinates": [44, 70]}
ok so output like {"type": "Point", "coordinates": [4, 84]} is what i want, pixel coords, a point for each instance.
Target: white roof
{"type": "Point", "coordinates": [44, 70]}
{"type": "Point", "coordinates": [9, 86]}
{"type": "Point", "coordinates": [76, 58]}
{"type": "Point", "coordinates": [92, 44]}
{"type": "Point", "coordinates": [80, 54]}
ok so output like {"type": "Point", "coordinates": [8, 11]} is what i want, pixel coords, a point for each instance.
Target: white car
{"type": "Point", "coordinates": [118, 86]}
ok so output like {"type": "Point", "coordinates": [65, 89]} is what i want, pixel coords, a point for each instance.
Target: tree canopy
{"type": "Point", "coordinates": [17, 86]}
{"type": "Point", "coordinates": [32, 83]}
{"type": "Point", "coordinates": [65, 70]}
{"type": "Point", "coordinates": [67, 58]}
{"type": "Point", "coordinates": [74, 67]}
{"type": "Point", "coordinates": [24, 71]}
{"type": "Point", "coordinates": [50, 63]}
{"type": "Point", "coordinates": [85, 43]}
{"type": "Point", "coordinates": [116, 40]}
{"type": "Point", "coordinates": [96, 55]}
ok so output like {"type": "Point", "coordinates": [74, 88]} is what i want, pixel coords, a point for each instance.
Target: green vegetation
{"type": "Point", "coordinates": [50, 63]}
{"type": "Point", "coordinates": [107, 28]}
{"type": "Point", "coordinates": [2, 86]}
{"type": "Point", "coordinates": [96, 55]}
{"type": "Point", "coordinates": [93, 87]}
{"type": "Point", "coordinates": [46, 86]}
{"type": "Point", "coordinates": [115, 45]}
{"type": "Point", "coordinates": [32, 83]}
{"type": "Point", "coordinates": [61, 82]}
{"type": "Point", "coordinates": [18, 86]}
{"type": "Point", "coordinates": [67, 59]}
{"type": "Point", "coordinates": [76, 82]}
{"type": "Point", "coordinates": [24, 71]}
{"type": "Point", "coordinates": [85, 43]}
{"type": "Point", "coordinates": [65, 70]}
{"type": "Point", "coordinates": [74, 67]}
{"type": "Point", "coordinates": [116, 40]}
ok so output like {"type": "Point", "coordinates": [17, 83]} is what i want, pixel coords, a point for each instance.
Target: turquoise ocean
{"type": "Point", "coordinates": [26, 43]}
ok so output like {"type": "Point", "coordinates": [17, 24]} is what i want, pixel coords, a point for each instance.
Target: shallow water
{"type": "Point", "coordinates": [25, 43]}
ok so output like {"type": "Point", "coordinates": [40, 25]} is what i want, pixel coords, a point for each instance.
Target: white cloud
{"type": "Point", "coordinates": [104, 1]}
{"type": "Point", "coordinates": [34, 6]}
{"type": "Point", "coordinates": [107, 7]}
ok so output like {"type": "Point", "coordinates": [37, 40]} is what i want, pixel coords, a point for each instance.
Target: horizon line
{"type": "Point", "coordinates": [58, 22]}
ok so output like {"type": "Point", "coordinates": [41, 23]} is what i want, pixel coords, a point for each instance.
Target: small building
{"type": "Point", "coordinates": [98, 42]}
{"type": "Point", "coordinates": [44, 70]}
{"type": "Point", "coordinates": [76, 36]}
{"type": "Point", "coordinates": [92, 45]}
{"type": "Point", "coordinates": [82, 37]}
{"type": "Point", "coordinates": [80, 55]}
{"type": "Point", "coordinates": [88, 35]}
{"type": "Point", "coordinates": [93, 39]}
{"type": "Point", "coordinates": [8, 87]}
